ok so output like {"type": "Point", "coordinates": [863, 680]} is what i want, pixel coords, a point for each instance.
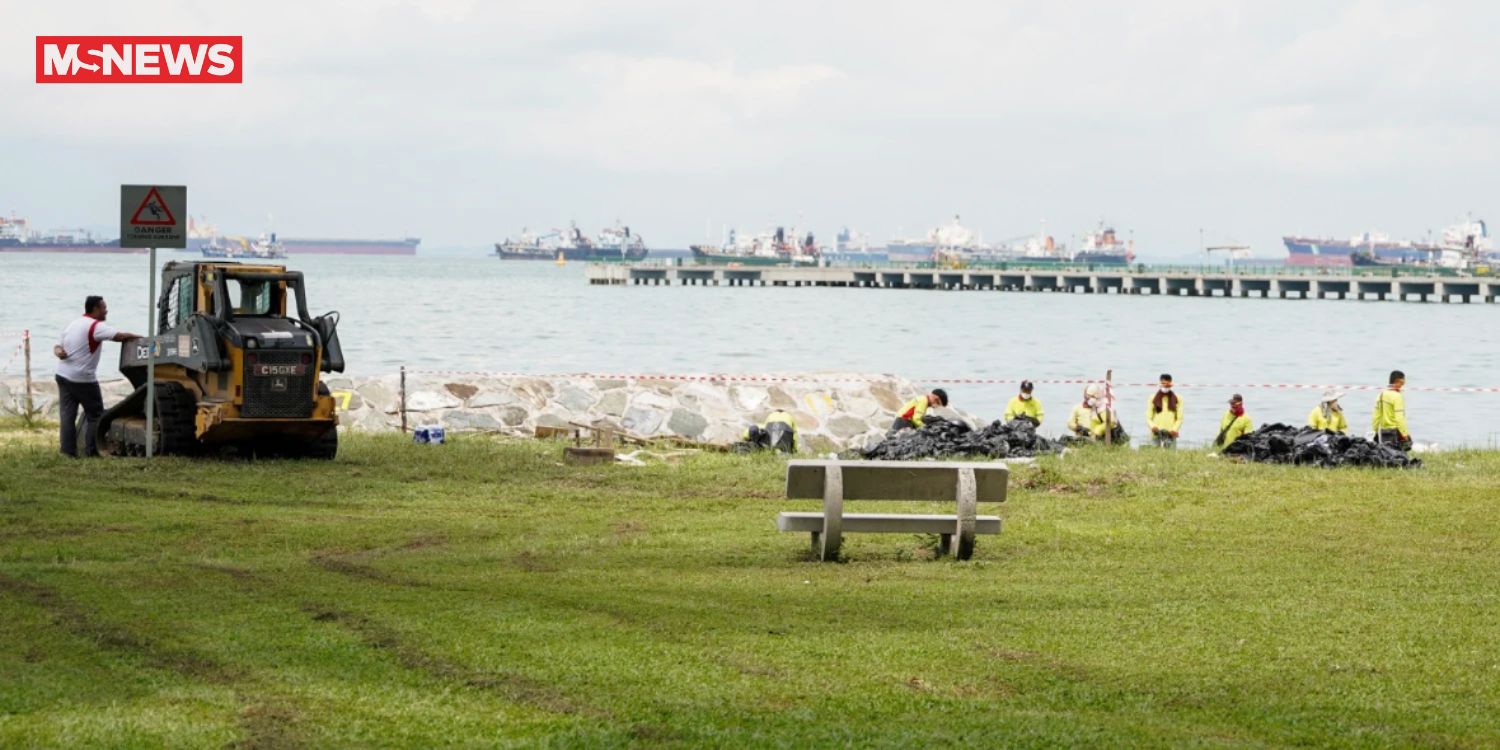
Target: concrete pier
{"type": "Point", "coordinates": [1385, 287]}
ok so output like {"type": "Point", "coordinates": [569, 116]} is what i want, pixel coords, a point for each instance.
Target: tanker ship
{"type": "Point", "coordinates": [203, 235]}
{"type": "Point", "coordinates": [16, 236]}
{"type": "Point", "coordinates": [1462, 243]}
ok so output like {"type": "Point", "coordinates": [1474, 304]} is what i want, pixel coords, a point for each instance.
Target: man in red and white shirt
{"type": "Point", "coordinates": [78, 351]}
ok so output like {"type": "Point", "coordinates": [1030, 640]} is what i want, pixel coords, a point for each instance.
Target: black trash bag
{"type": "Point", "coordinates": [1305, 446]}
{"type": "Point", "coordinates": [941, 438]}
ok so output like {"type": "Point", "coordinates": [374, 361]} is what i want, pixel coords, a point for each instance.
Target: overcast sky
{"type": "Point", "coordinates": [461, 122]}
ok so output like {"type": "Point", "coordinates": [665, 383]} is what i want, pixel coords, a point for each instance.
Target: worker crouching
{"type": "Point", "coordinates": [1024, 405]}
{"type": "Point", "coordinates": [1164, 414]}
{"type": "Point", "coordinates": [915, 411]}
{"type": "Point", "coordinates": [1234, 423]}
{"type": "Point", "coordinates": [1092, 420]}
{"type": "Point", "coordinates": [1328, 416]}
{"type": "Point", "coordinates": [779, 433]}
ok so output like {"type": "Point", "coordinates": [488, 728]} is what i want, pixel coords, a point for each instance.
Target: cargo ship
{"type": "Point", "coordinates": [612, 243]}
{"type": "Point", "coordinates": [16, 236]}
{"type": "Point", "coordinates": [777, 247]}
{"type": "Point", "coordinates": [953, 240]}
{"type": "Point", "coordinates": [1102, 248]}
{"type": "Point", "coordinates": [1461, 244]}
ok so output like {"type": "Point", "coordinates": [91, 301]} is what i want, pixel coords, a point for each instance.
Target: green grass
{"type": "Point", "coordinates": [484, 594]}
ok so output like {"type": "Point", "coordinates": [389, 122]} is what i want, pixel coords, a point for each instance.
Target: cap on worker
{"type": "Point", "coordinates": [1332, 394]}
{"type": "Point", "coordinates": [942, 395]}
{"type": "Point", "coordinates": [1236, 398]}
{"type": "Point", "coordinates": [1026, 386]}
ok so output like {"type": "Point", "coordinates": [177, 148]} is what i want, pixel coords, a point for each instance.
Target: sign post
{"type": "Point", "coordinates": [152, 216]}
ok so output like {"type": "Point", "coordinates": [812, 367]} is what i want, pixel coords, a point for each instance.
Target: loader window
{"type": "Point", "coordinates": [170, 316]}
{"type": "Point", "coordinates": [249, 297]}
{"type": "Point", "coordinates": [179, 302]}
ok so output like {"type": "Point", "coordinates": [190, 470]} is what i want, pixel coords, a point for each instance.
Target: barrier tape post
{"type": "Point", "coordinates": [1109, 407]}
{"type": "Point", "coordinates": [26, 347]}
{"type": "Point", "coordinates": [403, 399]}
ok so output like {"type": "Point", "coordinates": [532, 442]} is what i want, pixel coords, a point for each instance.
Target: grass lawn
{"type": "Point", "coordinates": [483, 594]}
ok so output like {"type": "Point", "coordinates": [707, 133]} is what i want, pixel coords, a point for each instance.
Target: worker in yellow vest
{"type": "Point", "coordinates": [1235, 423]}
{"type": "Point", "coordinates": [779, 433]}
{"type": "Point", "coordinates": [1024, 406]}
{"type": "Point", "coordinates": [1389, 420]}
{"type": "Point", "coordinates": [1092, 419]}
{"type": "Point", "coordinates": [913, 412]}
{"type": "Point", "coordinates": [1164, 414]}
{"type": "Point", "coordinates": [1328, 415]}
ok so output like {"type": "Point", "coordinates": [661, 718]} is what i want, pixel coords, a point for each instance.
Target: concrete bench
{"type": "Point", "coordinates": [967, 483]}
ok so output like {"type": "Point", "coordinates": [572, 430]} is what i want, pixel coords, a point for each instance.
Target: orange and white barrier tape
{"type": "Point", "coordinates": [747, 378]}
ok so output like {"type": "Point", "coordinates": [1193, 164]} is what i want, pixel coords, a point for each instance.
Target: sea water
{"type": "Point", "coordinates": [476, 313]}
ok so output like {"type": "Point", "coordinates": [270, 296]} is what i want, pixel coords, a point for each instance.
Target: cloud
{"type": "Point", "coordinates": [672, 115]}
{"type": "Point", "coordinates": [480, 117]}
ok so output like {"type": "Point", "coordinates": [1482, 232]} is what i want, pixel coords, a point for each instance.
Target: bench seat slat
{"type": "Point", "coordinates": [897, 480]}
{"type": "Point", "coordinates": [887, 523]}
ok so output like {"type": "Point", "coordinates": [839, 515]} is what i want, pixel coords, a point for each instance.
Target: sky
{"type": "Point", "coordinates": [463, 122]}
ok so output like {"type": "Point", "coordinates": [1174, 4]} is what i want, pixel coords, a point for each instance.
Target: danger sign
{"type": "Point", "coordinates": [151, 216]}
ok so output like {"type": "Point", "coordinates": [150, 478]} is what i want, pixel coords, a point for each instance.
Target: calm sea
{"type": "Point", "coordinates": [477, 313]}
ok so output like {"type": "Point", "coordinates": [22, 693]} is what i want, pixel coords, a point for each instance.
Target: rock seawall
{"type": "Point", "coordinates": [834, 411]}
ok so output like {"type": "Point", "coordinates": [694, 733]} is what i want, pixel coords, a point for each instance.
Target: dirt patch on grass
{"type": "Point", "coordinates": [628, 529]}
{"type": "Point", "coordinates": [511, 686]}
{"type": "Point", "coordinates": [269, 726]}
{"type": "Point", "coordinates": [266, 723]}
{"type": "Point", "coordinates": [347, 567]}
{"type": "Point", "coordinates": [75, 620]}
{"type": "Point", "coordinates": [1061, 667]}
{"type": "Point", "coordinates": [210, 498]}
{"type": "Point", "coordinates": [532, 563]}
{"type": "Point", "coordinates": [424, 542]}
{"type": "Point", "coordinates": [356, 564]}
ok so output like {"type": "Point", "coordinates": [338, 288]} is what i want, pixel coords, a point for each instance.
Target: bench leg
{"type": "Point", "coordinates": [968, 502]}
{"type": "Point", "coordinates": [833, 514]}
{"type": "Point", "coordinates": [817, 542]}
{"type": "Point", "coordinates": [945, 544]}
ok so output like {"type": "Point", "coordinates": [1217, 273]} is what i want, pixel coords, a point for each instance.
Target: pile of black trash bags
{"type": "Point", "coordinates": [1305, 446]}
{"type": "Point", "coordinates": [942, 438]}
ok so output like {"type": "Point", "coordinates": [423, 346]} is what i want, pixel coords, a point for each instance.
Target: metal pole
{"type": "Point", "coordinates": [26, 345]}
{"type": "Point", "coordinates": [151, 361]}
{"type": "Point", "coordinates": [403, 399]}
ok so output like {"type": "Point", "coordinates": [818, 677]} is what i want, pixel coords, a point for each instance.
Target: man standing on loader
{"type": "Point", "coordinates": [78, 351]}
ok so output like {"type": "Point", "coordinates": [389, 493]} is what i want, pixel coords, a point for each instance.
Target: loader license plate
{"type": "Point", "coordinates": [264, 370]}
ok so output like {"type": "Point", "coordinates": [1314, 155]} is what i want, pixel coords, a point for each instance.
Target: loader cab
{"type": "Point", "coordinates": [245, 305]}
